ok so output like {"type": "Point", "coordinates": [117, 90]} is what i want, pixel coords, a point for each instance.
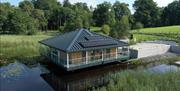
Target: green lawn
{"type": "Point", "coordinates": [95, 29]}
{"type": "Point", "coordinates": [168, 29]}
{"type": "Point", "coordinates": [159, 33]}
{"type": "Point", "coordinates": [141, 37]}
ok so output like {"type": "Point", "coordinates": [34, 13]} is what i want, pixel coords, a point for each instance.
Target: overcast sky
{"type": "Point", "coordinates": [161, 3]}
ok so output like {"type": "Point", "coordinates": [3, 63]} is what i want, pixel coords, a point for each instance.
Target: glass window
{"type": "Point", "coordinates": [108, 51]}
{"type": "Point", "coordinates": [54, 55]}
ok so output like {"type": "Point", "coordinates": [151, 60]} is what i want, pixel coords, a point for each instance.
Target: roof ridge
{"type": "Point", "coordinates": [88, 32]}
{"type": "Point", "coordinates": [109, 37]}
{"type": "Point", "coordinates": [73, 41]}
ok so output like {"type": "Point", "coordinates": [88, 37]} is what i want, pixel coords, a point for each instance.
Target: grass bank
{"type": "Point", "coordinates": [14, 47]}
{"type": "Point", "coordinates": [142, 81]}
{"type": "Point", "coordinates": [167, 29]}
{"type": "Point", "coordinates": [169, 33]}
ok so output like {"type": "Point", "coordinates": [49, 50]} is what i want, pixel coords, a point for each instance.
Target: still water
{"type": "Point", "coordinates": [18, 77]}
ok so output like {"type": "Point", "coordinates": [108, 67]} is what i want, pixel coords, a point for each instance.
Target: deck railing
{"type": "Point", "coordinates": [97, 58]}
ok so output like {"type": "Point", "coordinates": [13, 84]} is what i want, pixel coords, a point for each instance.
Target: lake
{"type": "Point", "coordinates": [19, 77]}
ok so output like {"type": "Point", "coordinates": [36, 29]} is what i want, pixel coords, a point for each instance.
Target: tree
{"type": "Point", "coordinates": [73, 25]}
{"type": "Point", "coordinates": [137, 25]}
{"type": "Point", "coordinates": [66, 3]}
{"type": "Point", "coordinates": [81, 5]}
{"type": "Point", "coordinates": [40, 18]}
{"type": "Point", "coordinates": [105, 29]}
{"type": "Point", "coordinates": [26, 6]}
{"type": "Point", "coordinates": [147, 12]}
{"type": "Point", "coordinates": [171, 14]}
{"type": "Point", "coordinates": [45, 4]}
{"type": "Point", "coordinates": [103, 14]}
{"type": "Point", "coordinates": [82, 11]}
{"type": "Point", "coordinates": [121, 9]}
{"type": "Point", "coordinates": [5, 10]}
{"type": "Point", "coordinates": [48, 6]}
{"type": "Point", "coordinates": [21, 23]}
{"type": "Point", "coordinates": [120, 29]}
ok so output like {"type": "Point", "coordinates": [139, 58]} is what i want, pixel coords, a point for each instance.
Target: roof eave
{"type": "Point", "coordinates": [53, 46]}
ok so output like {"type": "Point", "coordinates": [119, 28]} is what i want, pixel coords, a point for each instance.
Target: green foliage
{"type": "Point", "coordinates": [138, 25]}
{"type": "Point", "coordinates": [136, 62]}
{"type": "Point", "coordinates": [147, 13]}
{"type": "Point", "coordinates": [105, 29]}
{"type": "Point", "coordinates": [142, 81]}
{"type": "Point", "coordinates": [66, 3]}
{"type": "Point", "coordinates": [141, 37]}
{"type": "Point", "coordinates": [171, 14]}
{"type": "Point", "coordinates": [159, 33]}
{"type": "Point", "coordinates": [45, 4]}
{"type": "Point", "coordinates": [21, 47]}
{"type": "Point", "coordinates": [167, 29]}
{"type": "Point", "coordinates": [73, 25]}
{"type": "Point", "coordinates": [5, 10]}
{"type": "Point", "coordinates": [22, 23]}
{"type": "Point", "coordinates": [121, 9]}
{"type": "Point", "coordinates": [103, 14]}
{"type": "Point", "coordinates": [120, 29]}
{"type": "Point", "coordinates": [26, 6]}
{"type": "Point", "coordinates": [39, 16]}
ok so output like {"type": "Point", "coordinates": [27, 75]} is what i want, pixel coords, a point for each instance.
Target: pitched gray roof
{"type": "Point", "coordinates": [78, 39]}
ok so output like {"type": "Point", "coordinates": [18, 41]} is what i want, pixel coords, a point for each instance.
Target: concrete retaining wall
{"type": "Point", "coordinates": [148, 49]}
{"type": "Point", "coordinates": [175, 49]}
{"type": "Point", "coordinates": [153, 51]}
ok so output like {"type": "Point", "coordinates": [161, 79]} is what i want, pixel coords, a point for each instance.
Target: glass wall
{"type": "Point", "coordinates": [109, 53]}
{"type": "Point", "coordinates": [94, 55]}
{"type": "Point", "coordinates": [62, 58]}
{"type": "Point", "coordinates": [54, 55]}
{"type": "Point", "coordinates": [77, 58]}
{"type": "Point", "coordinates": [86, 57]}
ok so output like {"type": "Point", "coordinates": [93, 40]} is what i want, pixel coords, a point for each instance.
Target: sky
{"type": "Point", "coordinates": [160, 3]}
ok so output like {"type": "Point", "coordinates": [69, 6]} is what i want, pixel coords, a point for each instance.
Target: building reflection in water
{"type": "Point", "coordinates": [85, 79]}
{"type": "Point", "coordinates": [81, 80]}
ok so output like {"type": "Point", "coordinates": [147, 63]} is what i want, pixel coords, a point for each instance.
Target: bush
{"type": "Point", "coordinates": [138, 25]}
{"type": "Point", "coordinates": [21, 23]}
{"type": "Point", "coordinates": [105, 29]}
{"type": "Point", "coordinates": [121, 28]}
{"type": "Point", "coordinates": [61, 29]}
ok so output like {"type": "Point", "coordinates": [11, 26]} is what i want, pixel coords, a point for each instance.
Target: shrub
{"type": "Point", "coordinates": [138, 25]}
{"type": "Point", "coordinates": [105, 29]}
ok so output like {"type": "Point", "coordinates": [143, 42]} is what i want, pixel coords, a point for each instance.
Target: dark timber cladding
{"type": "Point", "coordinates": [82, 40]}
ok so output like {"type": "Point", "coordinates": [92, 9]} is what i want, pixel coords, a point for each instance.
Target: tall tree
{"type": "Point", "coordinates": [121, 9]}
{"type": "Point", "coordinates": [120, 29]}
{"type": "Point", "coordinates": [147, 13]}
{"type": "Point", "coordinates": [26, 6]}
{"type": "Point", "coordinates": [21, 23]}
{"type": "Point", "coordinates": [66, 3]}
{"type": "Point", "coordinates": [40, 18]}
{"type": "Point", "coordinates": [48, 6]}
{"type": "Point", "coordinates": [103, 14]}
{"type": "Point", "coordinates": [82, 11]}
{"type": "Point", "coordinates": [5, 10]}
{"type": "Point", "coordinates": [171, 14]}
{"type": "Point", "coordinates": [45, 4]}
